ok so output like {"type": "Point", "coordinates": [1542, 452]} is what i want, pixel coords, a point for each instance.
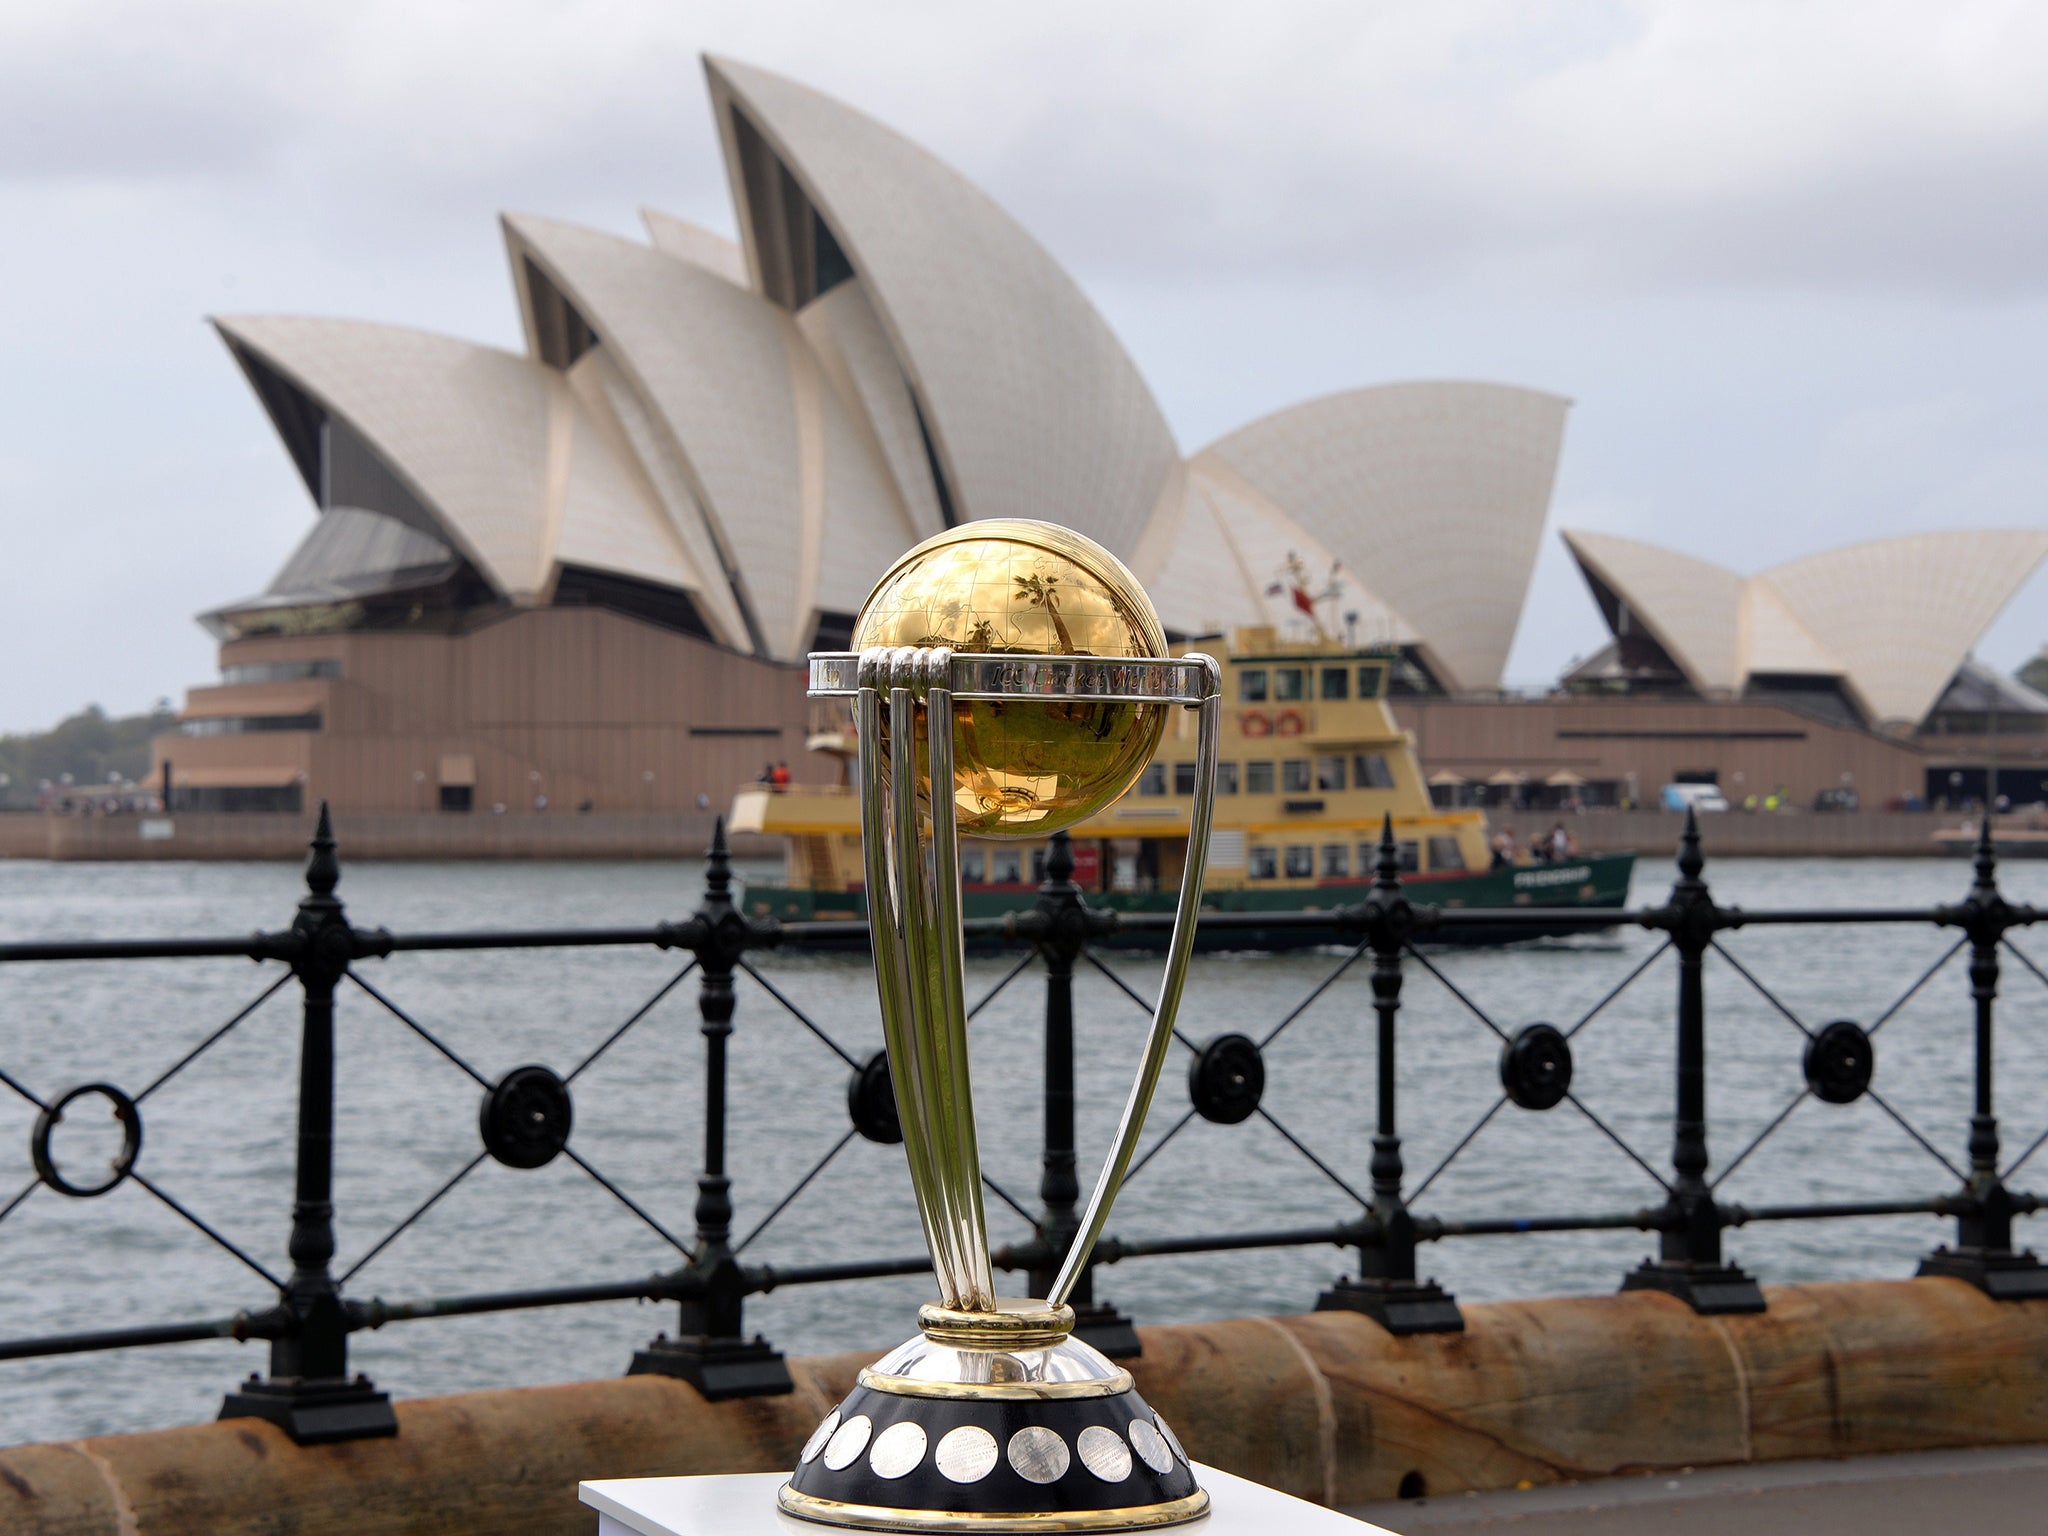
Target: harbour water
{"type": "Point", "coordinates": [219, 1136]}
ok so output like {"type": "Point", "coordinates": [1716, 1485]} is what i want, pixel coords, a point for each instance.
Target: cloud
{"type": "Point", "coordinates": [1765, 246]}
{"type": "Point", "coordinates": [1741, 143]}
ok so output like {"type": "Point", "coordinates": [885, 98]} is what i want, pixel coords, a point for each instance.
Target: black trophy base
{"type": "Point", "coordinates": [1399, 1306]}
{"type": "Point", "coordinates": [885, 1461]}
{"type": "Point", "coordinates": [2001, 1274]}
{"type": "Point", "coordinates": [718, 1368]}
{"type": "Point", "coordinates": [1709, 1289]}
{"type": "Point", "coordinates": [319, 1412]}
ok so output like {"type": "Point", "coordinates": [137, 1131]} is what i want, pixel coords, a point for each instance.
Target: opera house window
{"type": "Point", "coordinates": [1251, 685]}
{"type": "Point", "coordinates": [1226, 778]}
{"type": "Point", "coordinates": [1336, 683]}
{"type": "Point", "coordinates": [278, 671]}
{"type": "Point", "coordinates": [1258, 778]}
{"type": "Point", "coordinates": [1294, 775]}
{"type": "Point", "coordinates": [1288, 684]}
{"type": "Point", "coordinates": [236, 725]}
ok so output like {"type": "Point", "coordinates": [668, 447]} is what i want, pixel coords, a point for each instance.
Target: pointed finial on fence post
{"type": "Point", "coordinates": [323, 869]}
{"type": "Point", "coordinates": [1987, 855]}
{"type": "Point", "coordinates": [1690, 860]}
{"type": "Point", "coordinates": [718, 867]}
{"type": "Point", "coordinates": [1387, 873]}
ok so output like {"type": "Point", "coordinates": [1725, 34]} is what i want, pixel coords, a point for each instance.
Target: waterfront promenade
{"type": "Point", "coordinates": [2002, 1489]}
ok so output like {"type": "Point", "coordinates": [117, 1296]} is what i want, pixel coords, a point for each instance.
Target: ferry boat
{"type": "Point", "coordinates": [1311, 760]}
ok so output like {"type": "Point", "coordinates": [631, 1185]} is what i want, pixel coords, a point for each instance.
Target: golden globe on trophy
{"type": "Point", "coordinates": [1009, 679]}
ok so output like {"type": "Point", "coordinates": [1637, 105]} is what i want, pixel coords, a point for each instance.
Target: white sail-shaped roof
{"type": "Point", "coordinates": [1903, 613]}
{"type": "Point", "coordinates": [766, 426]}
{"type": "Point", "coordinates": [1894, 619]}
{"type": "Point", "coordinates": [1033, 408]}
{"type": "Point", "coordinates": [735, 388]}
{"type": "Point", "coordinates": [1433, 495]}
{"type": "Point", "coordinates": [1691, 607]}
{"type": "Point", "coordinates": [694, 243]}
{"type": "Point", "coordinates": [1230, 546]}
{"type": "Point", "coordinates": [516, 473]}
{"type": "Point", "coordinates": [854, 351]}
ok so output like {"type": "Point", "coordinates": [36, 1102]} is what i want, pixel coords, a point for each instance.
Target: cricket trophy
{"type": "Point", "coordinates": [1009, 679]}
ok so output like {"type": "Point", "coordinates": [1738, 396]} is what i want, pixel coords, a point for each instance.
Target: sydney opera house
{"type": "Point", "coordinates": [583, 575]}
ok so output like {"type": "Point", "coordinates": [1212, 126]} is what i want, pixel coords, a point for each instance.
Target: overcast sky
{"type": "Point", "coordinates": [1789, 260]}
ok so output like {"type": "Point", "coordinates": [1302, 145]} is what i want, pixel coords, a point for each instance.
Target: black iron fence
{"type": "Point", "coordinates": [527, 1117]}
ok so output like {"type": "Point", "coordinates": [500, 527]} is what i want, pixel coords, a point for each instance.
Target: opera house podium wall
{"type": "Point", "coordinates": [566, 706]}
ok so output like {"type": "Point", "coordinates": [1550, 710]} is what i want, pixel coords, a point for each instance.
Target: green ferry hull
{"type": "Point", "coordinates": [1596, 881]}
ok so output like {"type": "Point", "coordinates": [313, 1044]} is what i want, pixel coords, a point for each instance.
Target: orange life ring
{"type": "Point", "coordinates": [1290, 722]}
{"type": "Point", "coordinates": [1252, 723]}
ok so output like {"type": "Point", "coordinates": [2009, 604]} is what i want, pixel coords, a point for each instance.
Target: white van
{"type": "Point", "coordinates": [1697, 797]}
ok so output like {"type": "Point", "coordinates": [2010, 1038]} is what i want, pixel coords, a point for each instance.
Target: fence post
{"type": "Point", "coordinates": [1386, 1288]}
{"type": "Point", "coordinates": [1983, 1253]}
{"type": "Point", "coordinates": [1689, 1263]}
{"type": "Point", "coordinates": [1066, 925]}
{"type": "Point", "coordinates": [710, 1350]}
{"type": "Point", "coordinates": [309, 1393]}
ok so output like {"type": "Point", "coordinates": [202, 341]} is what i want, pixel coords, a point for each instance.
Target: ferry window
{"type": "Point", "coordinates": [457, 797]}
{"type": "Point", "coordinates": [1369, 681]}
{"type": "Point", "coordinates": [1183, 778]}
{"type": "Point", "coordinates": [1336, 683]}
{"type": "Point", "coordinates": [1153, 780]}
{"type": "Point", "coordinates": [1294, 775]}
{"type": "Point", "coordinates": [1258, 778]}
{"type": "Point", "coordinates": [1411, 858]}
{"type": "Point", "coordinates": [1251, 686]}
{"type": "Point", "coordinates": [1368, 859]}
{"type": "Point", "coordinates": [973, 866]}
{"type": "Point", "coordinates": [1336, 861]}
{"type": "Point", "coordinates": [1005, 866]}
{"type": "Point", "coordinates": [1260, 864]}
{"type": "Point", "coordinates": [1226, 778]}
{"type": "Point", "coordinates": [1444, 853]}
{"type": "Point", "coordinates": [1287, 683]}
{"type": "Point", "coordinates": [1301, 861]}
{"type": "Point", "coordinates": [1330, 772]}
{"type": "Point", "coordinates": [1370, 770]}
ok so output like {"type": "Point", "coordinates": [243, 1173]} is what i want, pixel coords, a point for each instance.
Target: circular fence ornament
{"type": "Point", "coordinates": [118, 1166]}
{"type": "Point", "coordinates": [1536, 1066]}
{"type": "Point", "coordinates": [1839, 1061]}
{"type": "Point", "coordinates": [526, 1119]}
{"type": "Point", "coordinates": [1227, 1079]}
{"type": "Point", "coordinates": [871, 1101]}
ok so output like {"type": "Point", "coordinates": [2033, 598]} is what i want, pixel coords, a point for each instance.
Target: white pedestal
{"type": "Point", "coordinates": [744, 1505]}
